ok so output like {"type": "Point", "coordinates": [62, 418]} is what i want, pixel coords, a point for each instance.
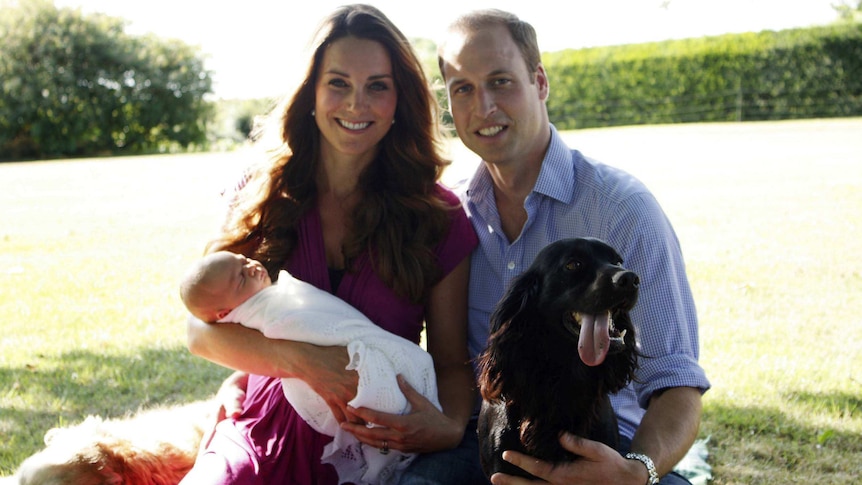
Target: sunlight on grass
{"type": "Point", "coordinates": [768, 215]}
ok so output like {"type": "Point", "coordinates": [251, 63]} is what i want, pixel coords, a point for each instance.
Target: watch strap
{"type": "Point", "coordinates": [647, 461]}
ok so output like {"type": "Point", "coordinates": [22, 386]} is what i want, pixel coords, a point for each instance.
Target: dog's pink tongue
{"type": "Point", "coordinates": [595, 340]}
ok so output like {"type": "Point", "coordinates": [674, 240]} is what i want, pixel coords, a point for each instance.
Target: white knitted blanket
{"type": "Point", "coordinates": [294, 310]}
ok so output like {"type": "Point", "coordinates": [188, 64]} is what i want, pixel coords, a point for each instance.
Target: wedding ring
{"type": "Point", "coordinates": [385, 449]}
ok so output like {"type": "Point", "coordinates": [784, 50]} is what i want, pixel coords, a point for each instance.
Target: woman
{"type": "Point", "coordinates": [351, 205]}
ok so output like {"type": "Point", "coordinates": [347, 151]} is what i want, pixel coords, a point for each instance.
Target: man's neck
{"type": "Point", "coordinates": [514, 179]}
{"type": "Point", "coordinates": [512, 185]}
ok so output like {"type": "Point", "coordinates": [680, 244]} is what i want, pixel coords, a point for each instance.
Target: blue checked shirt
{"type": "Point", "coordinates": [578, 197]}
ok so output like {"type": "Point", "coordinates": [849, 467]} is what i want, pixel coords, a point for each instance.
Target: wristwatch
{"type": "Point", "coordinates": [653, 476]}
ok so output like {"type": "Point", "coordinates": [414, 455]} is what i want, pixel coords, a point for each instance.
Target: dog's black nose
{"type": "Point", "coordinates": [626, 279]}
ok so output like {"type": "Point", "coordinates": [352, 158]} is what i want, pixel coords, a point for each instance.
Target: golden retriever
{"type": "Point", "coordinates": [153, 447]}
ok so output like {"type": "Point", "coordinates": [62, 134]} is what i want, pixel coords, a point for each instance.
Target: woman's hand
{"type": "Point", "coordinates": [234, 346]}
{"type": "Point", "coordinates": [325, 370]}
{"type": "Point", "coordinates": [229, 399]}
{"type": "Point", "coordinates": [423, 430]}
{"type": "Point", "coordinates": [231, 395]}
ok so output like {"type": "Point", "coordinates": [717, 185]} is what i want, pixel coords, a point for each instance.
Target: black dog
{"type": "Point", "coordinates": [561, 341]}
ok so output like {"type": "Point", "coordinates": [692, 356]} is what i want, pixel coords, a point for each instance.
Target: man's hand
{"type": "Point", "coordinates": [423, 430]}
{"type": "Point", "coordinates": [597, 464]}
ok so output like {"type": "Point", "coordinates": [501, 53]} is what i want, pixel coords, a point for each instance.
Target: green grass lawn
{"type": "Point", "coordinates": [768, 214]}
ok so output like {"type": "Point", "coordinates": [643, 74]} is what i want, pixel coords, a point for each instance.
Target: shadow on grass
{"type": "Point", "coordinates": [61, 391]}
{"type": "Point", "coordinates": [832, 407]}
{"type": "Point", "coordinates": [774, 445]}
{"type": "Point", "coordinates": [839, 404]}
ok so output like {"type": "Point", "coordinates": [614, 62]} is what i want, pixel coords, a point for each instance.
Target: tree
{"type": "Point", "coordinates": [847, 12]}
{"type": "Point", "coordinates": [426, 51]}
{"type": "Point", "coordinates": [79, 85]}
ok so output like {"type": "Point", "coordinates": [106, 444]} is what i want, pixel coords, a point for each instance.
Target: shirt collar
{"type": "Point", "coordinates": [556, 177]}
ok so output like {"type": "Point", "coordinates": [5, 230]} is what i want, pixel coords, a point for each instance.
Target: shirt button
{"type": "Point", "coordinates": [511, 265]}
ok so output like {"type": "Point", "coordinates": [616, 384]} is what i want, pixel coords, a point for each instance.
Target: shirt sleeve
{"type": "Point", "coordinates": [665, 317]}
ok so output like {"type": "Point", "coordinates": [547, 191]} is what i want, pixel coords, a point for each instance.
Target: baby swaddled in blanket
{"type": "Point", "coordinates": [228, 287]}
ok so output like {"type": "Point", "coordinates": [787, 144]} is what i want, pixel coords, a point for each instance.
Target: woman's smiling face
{"type": "Point", "coordinates": [355, 98]}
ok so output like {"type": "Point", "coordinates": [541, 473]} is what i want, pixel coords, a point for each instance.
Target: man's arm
{"type": "Point", "coordinates": [667, 431]}
{"type": "Point", "coordinates": [669, 427]}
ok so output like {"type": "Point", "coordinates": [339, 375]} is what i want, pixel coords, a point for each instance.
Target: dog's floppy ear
{"type": "Point", "coordinates": [508, 326]}
{"type": "Point", "coordinates": [521, 297]}
{"type": "Point", "coordinates": [506, 331]}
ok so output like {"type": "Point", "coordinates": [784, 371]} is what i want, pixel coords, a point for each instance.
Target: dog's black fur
{"type": "Point", "coordinates": [534, 385]}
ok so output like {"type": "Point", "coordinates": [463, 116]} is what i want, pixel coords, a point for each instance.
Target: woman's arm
{"type": "Point", "coordinates": [446, 334]}
{"type": "Point", "coordinates": [234, 346]}
{"type": "Point", "coordinates": [426, 429]}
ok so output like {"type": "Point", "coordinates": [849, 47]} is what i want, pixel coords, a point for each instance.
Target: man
{"type": "Point", "coordinates": [531, 190]}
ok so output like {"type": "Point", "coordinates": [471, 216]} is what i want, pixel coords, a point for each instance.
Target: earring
{"type": "Point", "coordinates": [393, 121]}
{"type": "Point", "coordinates": [313, 113]}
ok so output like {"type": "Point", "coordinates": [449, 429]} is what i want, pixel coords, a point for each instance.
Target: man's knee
{"type": "Point", "coordinates": [451, 467]}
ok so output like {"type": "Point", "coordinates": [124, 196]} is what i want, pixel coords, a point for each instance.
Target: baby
{"type": "Point", "coordinates": [229, 287]}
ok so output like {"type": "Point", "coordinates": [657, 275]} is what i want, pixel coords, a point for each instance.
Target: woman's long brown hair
{"type": "Point", "coordinates": [400, 218]}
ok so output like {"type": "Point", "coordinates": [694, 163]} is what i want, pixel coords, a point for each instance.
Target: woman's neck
{"type": "Point", "coordinates": [338, 173]}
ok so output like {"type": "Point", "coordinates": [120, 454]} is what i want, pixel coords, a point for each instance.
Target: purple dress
{"type": "Point", "coordinates": [270, 443]}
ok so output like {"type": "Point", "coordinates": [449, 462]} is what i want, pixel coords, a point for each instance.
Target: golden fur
{"type": "Point", "coordinates": [154, 447]}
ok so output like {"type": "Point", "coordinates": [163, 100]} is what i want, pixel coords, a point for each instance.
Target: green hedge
{"type": "Point", "coordinates": [799, 73]}
{"type": "Point", "coordinates": [75, 84]}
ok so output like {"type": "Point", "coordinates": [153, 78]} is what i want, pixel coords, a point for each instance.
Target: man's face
{"type": "Point", "coordinates": [497, 105]}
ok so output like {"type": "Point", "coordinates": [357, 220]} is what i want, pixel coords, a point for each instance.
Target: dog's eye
{"type": "Point", "coordinates": [573, 264]}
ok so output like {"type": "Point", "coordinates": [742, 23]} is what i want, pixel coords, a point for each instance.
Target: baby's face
{"type": "Point", "coordinates": [240, 278]}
